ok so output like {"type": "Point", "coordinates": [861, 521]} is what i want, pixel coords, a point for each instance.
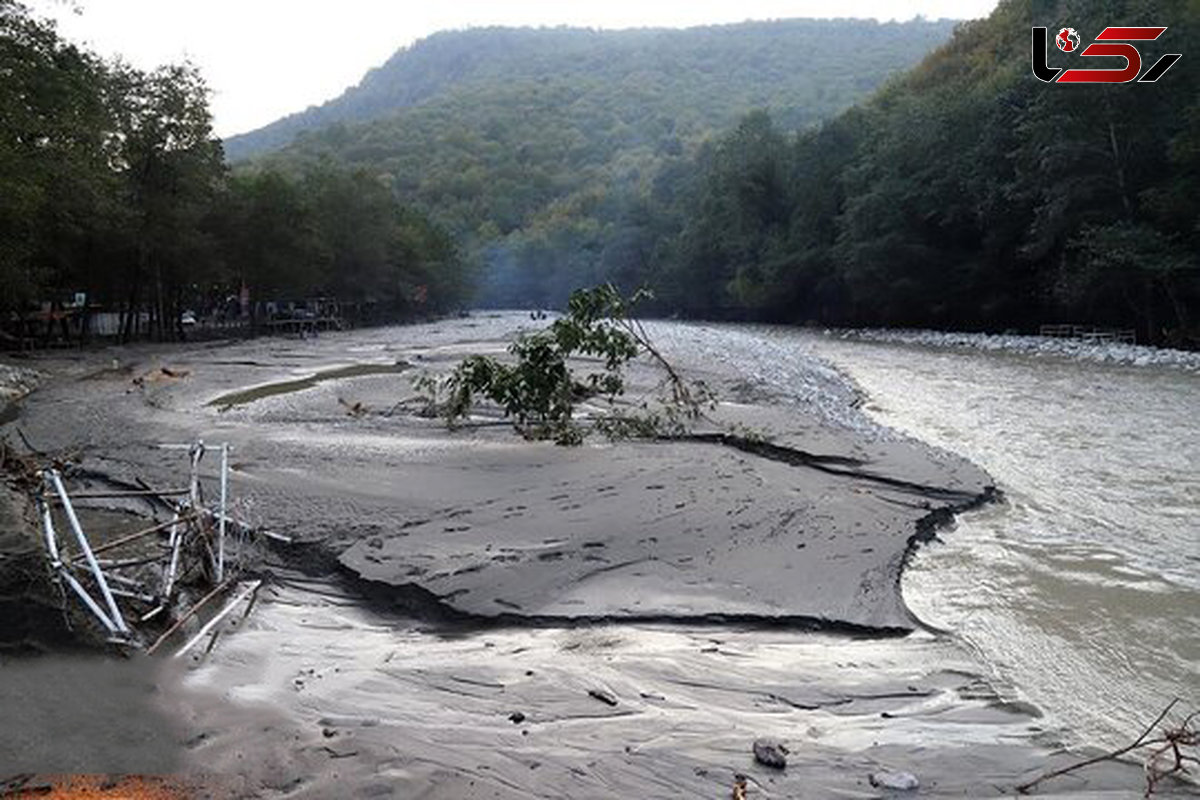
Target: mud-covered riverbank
{"type": "Point", "coordinates": [475, 615]}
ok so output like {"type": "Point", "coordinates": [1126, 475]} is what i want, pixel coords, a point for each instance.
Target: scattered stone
{"type": "Point", "coordinates": [603, 696]}
{"type": "Point", "coordinates": [375, 543]}
{"type": "Point", "coordinates": [899, 781]}
{"type": "Point", "coordinates": [770, 753]}
{"type": "Point", "coordinates": [516, 718]}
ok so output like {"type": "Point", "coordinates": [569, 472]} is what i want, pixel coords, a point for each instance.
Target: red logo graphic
{"type": "Point", "coordinates": [1068, 41]}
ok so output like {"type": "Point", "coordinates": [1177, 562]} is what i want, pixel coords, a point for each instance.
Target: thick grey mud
{"type": "Point", "coordinates": [715, 529]}
{"type": "Point", "coordinates": [462, 607]}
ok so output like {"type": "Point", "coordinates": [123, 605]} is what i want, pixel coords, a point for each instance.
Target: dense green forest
{"type": "Point", "coordinates": [698, 79]}
{"type": "Point", "coordinates": [521, 164]}
{"type": "Point", "coordinates": [966, 194]}
{"type": "Point", "coordinates": [535, 147]}
{"type": "Point", "coordinates": [113, 185]}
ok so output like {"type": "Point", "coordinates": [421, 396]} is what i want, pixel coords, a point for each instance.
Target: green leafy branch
{"type": "Point", "coordinates": [539, 390]}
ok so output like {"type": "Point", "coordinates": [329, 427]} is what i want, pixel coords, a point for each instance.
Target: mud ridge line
{"type": "Point", "coordinates": [822, 463]}
{"type": "Point", "coordinates": [927, 529]}
{"type": "Point", "coordinates": [413, 600]}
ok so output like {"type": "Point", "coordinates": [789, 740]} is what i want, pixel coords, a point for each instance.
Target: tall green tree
{"type": "Point", "coordinates": [171, 167]}
{"type": "Point", "coordinates": [55, 128]}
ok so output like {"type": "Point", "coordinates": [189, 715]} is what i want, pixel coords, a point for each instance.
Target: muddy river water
{"type": "Point", "coordinates": [1082, 589]}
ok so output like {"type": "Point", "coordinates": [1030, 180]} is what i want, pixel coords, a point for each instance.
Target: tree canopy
{"type": "Point", "coordinates": [542, 150]}
{"type": "Point", "coordinates": [112, 184]}
{"type": "Point", "coordinates": [742, 172]}
{"type": "Point", "coordinates": [965, 194]}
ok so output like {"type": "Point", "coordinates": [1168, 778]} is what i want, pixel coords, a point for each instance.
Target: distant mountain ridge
{"type": "Point", "coordinates": [733, 67]}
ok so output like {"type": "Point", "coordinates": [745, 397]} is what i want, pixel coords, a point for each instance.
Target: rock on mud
{"type": "Point", "coordinates": [770, 753]}
{"type": "Point", "coordinates": [899, 781]}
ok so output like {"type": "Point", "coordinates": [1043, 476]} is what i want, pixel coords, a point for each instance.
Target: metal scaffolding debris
{"type": "Point", "coordinates": [143, 578]}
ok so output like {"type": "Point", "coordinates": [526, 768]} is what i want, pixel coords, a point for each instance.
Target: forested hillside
{"type": "Point", "coordinates": [522, 164]}
{"type": "Point", "coordinates": [540, 149]}
{"type": "Point", "coordinates": [967, 194]}
{"type": "Point", "coordinates": [113, 186]}
{"type": "Point", "coordinates": [700, 78]}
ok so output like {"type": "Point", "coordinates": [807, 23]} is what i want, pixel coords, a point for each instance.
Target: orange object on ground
{"type": "Point", "coordinates": [103, 787]}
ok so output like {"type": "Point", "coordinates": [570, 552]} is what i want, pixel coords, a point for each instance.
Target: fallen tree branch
{"type": "Point", "coordinates": [1170, 739]}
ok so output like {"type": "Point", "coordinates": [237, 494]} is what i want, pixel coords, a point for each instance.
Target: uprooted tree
{"type": "Point", "coordinates": [539, 389]}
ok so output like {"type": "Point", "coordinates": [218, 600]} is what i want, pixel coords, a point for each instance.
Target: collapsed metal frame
{"type": "Point", "coordinates": [192, 525]}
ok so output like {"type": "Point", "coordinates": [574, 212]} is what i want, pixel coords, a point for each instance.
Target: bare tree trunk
{"type": "Point", "coordinates": [159, 330]}
{"type": "Point", "coordinates": [1178, 306]}
{"type": "Point", "coordinates": [1116, 155]}
{"type": "Point", "coordinates": [1148, 305]}
{"type": "Point", "coordinates": [129, 324]}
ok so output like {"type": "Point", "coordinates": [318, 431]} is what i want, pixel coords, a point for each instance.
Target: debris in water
{"type": "Point", "coordinates": [148, 583]}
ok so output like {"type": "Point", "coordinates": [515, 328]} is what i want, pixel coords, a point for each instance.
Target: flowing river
{"type": "Point", "coordinates": [1081, 591]}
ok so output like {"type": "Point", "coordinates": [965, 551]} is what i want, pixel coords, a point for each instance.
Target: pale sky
{"type": "Point", "coordinates": [264, 59]}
